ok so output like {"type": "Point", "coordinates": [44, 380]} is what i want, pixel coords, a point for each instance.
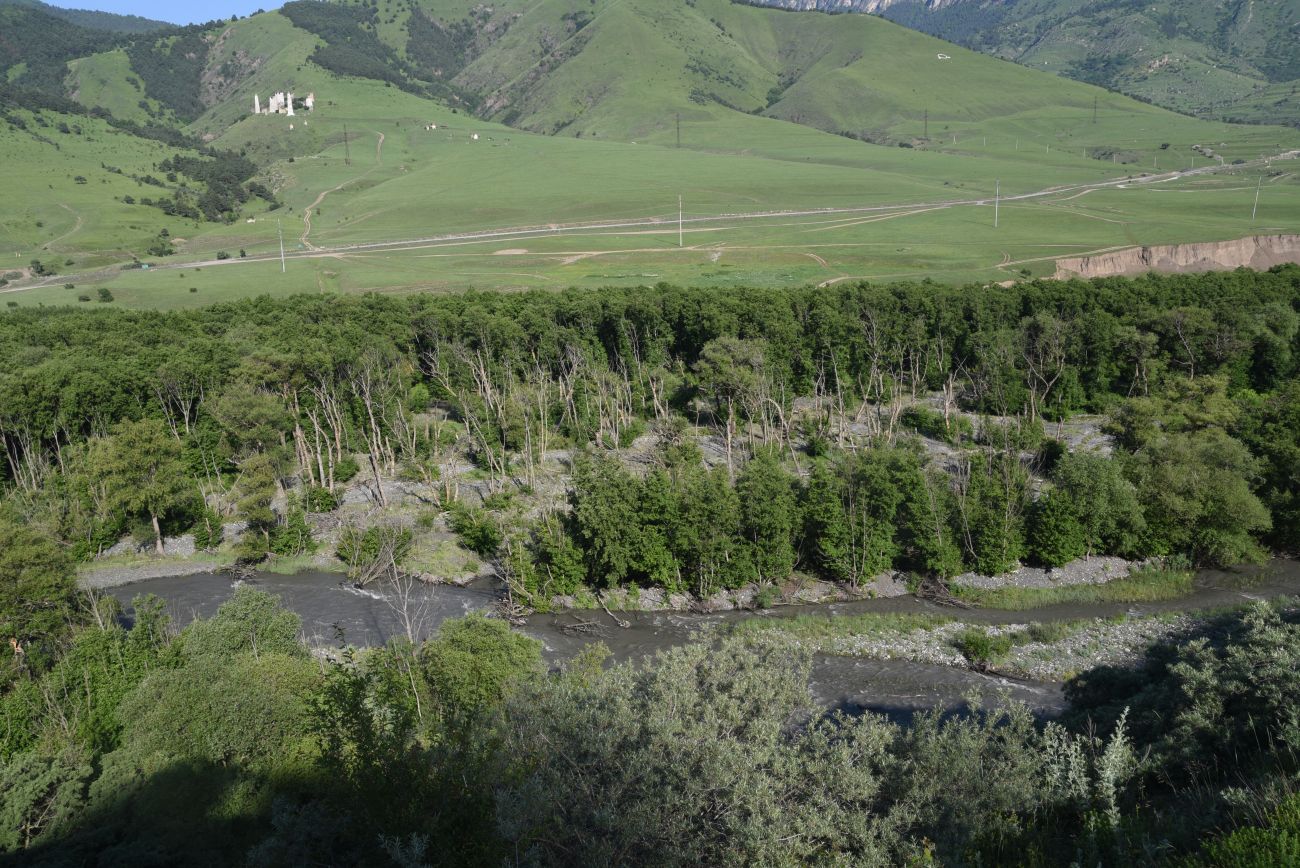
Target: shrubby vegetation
{"type": "Point", "coordinates": [227, 742]}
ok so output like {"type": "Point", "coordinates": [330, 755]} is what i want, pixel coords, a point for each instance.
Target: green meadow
{"type": "Point", "coordinates": [368, 167]}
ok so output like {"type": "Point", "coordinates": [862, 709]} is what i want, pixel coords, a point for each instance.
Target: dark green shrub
{"type": "Point", "coordinates": [293, 537]}
{"type": "Point", "coordinates": [346, 468]}
{"type": "Point", "coordinates": [930, 423]}
{"type": "Point", "coordinates": [319, 499]}
{"type": "Point", "coordinates": [208, 532]}
{"type": "Point", "coordinates": [980, 646]}
{"type": "Point", "coordinates": [1277, 843]}
{"type": "Point", "coordinates": [477, 529]}
{"type": "Point", "coordinates": [361, 547]}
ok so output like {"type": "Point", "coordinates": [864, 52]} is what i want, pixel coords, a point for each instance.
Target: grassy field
{"type": "Point", "coordinates": [1141, 586]}
{"type": "Point", "coordinates": [854, 209]}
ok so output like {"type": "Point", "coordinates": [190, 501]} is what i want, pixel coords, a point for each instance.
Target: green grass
{"type": "Point", "coordinates": [991, 124]}
{"type": "Point", "coordinates": [288, 566]}
{"type": "Point", "coordinates": [823, 627]}
{"type": "Point", "coordinates": [1141, 586]}
{"type": "Point", "coordinates": [104, 80]}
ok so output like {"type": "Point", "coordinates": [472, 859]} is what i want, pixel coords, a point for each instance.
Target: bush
{"type": "Point", "coordinates": [320, 499]}
{"type": "Point", "coordinates": [980, 646]}
{"type": "Point", "coordinates": [221, 254]}
{"type": "Point", "coordinates": [478, 530]}
{"type": "Point", "coordinates": [930, 423]}
{"type": "Point", "coordinates": [346, 468]}
{"type": "Point", "coordinates": [1220, 700]}
{"type": "Point", "coordinates": [208, 531]}
{"type": "Point", "coordinates": [293, 537]}
{"type": "Point", "coordinates": [362, 548]}
{"type": "Point", "coordinates": [1277, 843]}
{"type": "Point", "coordinates": [105, 295]}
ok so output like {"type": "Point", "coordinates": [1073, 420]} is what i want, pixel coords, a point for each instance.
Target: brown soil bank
{"type": "Point", "coordinates": [1259, 252]}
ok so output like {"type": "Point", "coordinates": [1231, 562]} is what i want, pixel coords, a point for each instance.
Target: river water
{"type": "Point", "coordinates": [333, 611]}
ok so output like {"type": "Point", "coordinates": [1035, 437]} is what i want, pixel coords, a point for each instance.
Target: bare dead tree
{"type": "Point", "coordinates": [1043, 346]}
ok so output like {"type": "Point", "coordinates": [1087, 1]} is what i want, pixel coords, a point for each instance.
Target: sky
{"type": "Point", "coordinates": [183, 12]}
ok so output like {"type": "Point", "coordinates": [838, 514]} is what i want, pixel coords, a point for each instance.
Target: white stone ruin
{"type": "Point", "coordinates": [281, 103]}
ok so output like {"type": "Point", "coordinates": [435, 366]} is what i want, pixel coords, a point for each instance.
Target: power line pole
{"type": "Point", "coordinates": [927, 124]}
{"type": "Point", "coordinates": [280, 232]}
{"type": "Point", "coordinates": [1094, 108]}
{"type": "Point", "coordinates": [1255, 208]}
{"type": "Point", "coordinates": [347, 150]}
{"type": "Point", "coordinates": [679, 129]}
{"type": "Point", "coordinates": [997, 200]}
{"type": "Point", "coordinates": [679, 221]}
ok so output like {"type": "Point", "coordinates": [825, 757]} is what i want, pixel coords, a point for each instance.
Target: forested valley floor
{"type": "Point", "coordinates": [657, 446]}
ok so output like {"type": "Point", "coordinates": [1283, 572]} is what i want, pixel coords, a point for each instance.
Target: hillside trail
{"type": "Point", "coordinates": [306, 214]}
{"type": "Point", "coordinates": [76, 227]}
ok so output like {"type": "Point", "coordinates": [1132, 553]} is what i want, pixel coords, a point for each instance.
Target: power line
{"type": "Point", "coordinates": [997, 201]}
{"type": "Point", "coordinates": [679, 129]}
{"type": "Point", "coordinates": [679, 221]}
{"type": "Point", "coordinates": [279, 230]}
{"type": "Point", "coordinates": [1255, 208]}
{"type": "Point", "coordinates": [347, 150]}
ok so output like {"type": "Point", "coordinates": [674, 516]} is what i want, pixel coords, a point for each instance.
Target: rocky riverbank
{"type": "Point", "coordinates": [1037, 653]}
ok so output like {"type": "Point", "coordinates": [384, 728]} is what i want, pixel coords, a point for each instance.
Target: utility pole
{"type": "Point", "coordinates": [679, 221]}
{"type": "Point", "coordinates": [1094, 108]}
{"type": "Point", "coordinates": [679, 129]}
{"type": "Point", "coordinates": [347, 150]}
{"type": "Point", "coordinates": [280, 232]}
{"type": "Point", "coordinates": [997, 200]}
{"type": "Point", "coordinates": [927, 124]}
{"type": "Point", "coordinates": [1255, 208]}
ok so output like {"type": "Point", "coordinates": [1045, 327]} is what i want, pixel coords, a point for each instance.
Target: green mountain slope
{"type": "Point", "coordinates": [537, 144]}
{"type": "Point", "coordinates": [1226, 59]}
{"type": "Point", "coordinates": [92, 19]}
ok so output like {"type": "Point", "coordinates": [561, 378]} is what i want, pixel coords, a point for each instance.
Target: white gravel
{"type": "Point", "coordinates": [1085, 571]}
{"type": "Point", "coordinates": [1100, 642]}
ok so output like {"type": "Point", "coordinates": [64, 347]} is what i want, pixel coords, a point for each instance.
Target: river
{"type": "Point", "coordinates": [332, 609]}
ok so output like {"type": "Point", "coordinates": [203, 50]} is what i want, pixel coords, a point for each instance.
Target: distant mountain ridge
{"type": "Point", "coordinates": [1234, 59]}
{"type": "Point", "coordinates": [93, 20]}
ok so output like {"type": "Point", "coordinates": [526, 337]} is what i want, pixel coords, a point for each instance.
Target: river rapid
{"type": "Point", "coordinates": [333, 612]}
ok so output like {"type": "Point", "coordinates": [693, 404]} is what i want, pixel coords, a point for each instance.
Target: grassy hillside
{"type": "Point", "coordinates": [106, 80]}
{"type": "Point", "coordinates": [1217, 59]}
{"type": "Point", "coordinates": [881, 158]}
{"type": "Point", "coordinates": [93, 19]}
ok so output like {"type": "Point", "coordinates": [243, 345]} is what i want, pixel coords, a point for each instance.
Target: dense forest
{"type": "Point", "coordinates": [708, 441]}
{"type": "Point", "coordinates": [842, 432]}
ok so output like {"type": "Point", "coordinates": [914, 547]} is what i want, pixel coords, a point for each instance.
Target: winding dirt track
{"type": "Point", "coordinates": [696, 223]}
{"type": "Point", "coordinates": [66, 235]}
{"type": "Point", "coordinates": [306, 212]}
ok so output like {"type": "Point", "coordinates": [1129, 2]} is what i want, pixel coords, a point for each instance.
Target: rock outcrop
{"type": "Point", "coordinates": [1258, 251]}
